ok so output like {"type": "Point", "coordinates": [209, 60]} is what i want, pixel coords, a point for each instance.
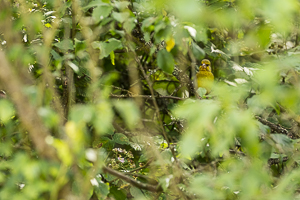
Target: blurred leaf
{"type": "Point", "coordinates": [165, 61]}
{"type": "Point", "coordinates": [75, 134]}
{"type": "Point", "coordinates": [121, 17]}
{"type": "Point", "coordinates": [201, 91]}
{"type": "Point", "coordinates": [63, 151]}
{"type": "Point", "coordinates": [103, 118]}
{"type": "Point", "coordinates": [73, 66]}
{"type": "Point", "coordinates": [82, 113]}
{"type": "Point", "coordinates": [50, 118]}
{"type": "Point", "coordinates": [129, 112]}
{"type": "Point", "coordinates": [7, 111]}
{"type": "Point", "coordinates": [137, 193]}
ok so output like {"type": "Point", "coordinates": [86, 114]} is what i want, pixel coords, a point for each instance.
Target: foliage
{"type": "Point", "coordinates": [100, 100]}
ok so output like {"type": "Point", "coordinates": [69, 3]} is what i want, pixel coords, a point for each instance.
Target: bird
{"type": "Point", "coordinates": [204, 77]}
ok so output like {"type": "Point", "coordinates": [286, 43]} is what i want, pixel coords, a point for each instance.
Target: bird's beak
{"type": "Point", "coordinates": [204, 65]}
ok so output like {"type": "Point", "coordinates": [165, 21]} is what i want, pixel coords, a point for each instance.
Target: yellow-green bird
{"type": "Point", "coordinates": [205, 78]}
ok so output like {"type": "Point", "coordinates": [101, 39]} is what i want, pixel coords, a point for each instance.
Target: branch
{"type": "Point", "coordinates": [156, 107]}
{"type": "Point", "coordinates": [276, 128]}
{"type": "Point", "coordinates": [132, 181]}
{"type": "Point", "coordinates": [145, 96]}
{"type": "Point", "coordinates": [27, 113]}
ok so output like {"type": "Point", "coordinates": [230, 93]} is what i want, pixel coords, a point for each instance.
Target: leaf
{"type": "Point", "coordinates": [201, 91]}
{"type": "Point", "coordinates": [65, 45]}
{"type": "Point", "coordinates": [137, 193]}
{"type": "Point", "coordinates": [120, 138]}
{"type": "Point", "coordinates": [102, 120]}
{"type": "Point", "coordinates": [107, 143]}
{"type": "Point", "coordinates": [121, 5]}
{"type": "Point", "coordinates": [198, 52]}
{"type": "Point", "coordinates": [101, 12]}
{"type": "Point", "coordinates": [148, 22]}
{"type": "Point", "coordinates": [79, 45]}
{"type": "Point", "coordinates": [6, 111]}
{"type": "Point", "coordinates": [63, 151]}
{"type": "Point", "coordinates": [81, 113]}
{"type": "Point", "coordinates": [283, 140]}
{"type": "Point", "coordinates": [128, 111]}
{"type": "Point", "coordinates": [112, 58]}
{"type": "Point", "coordinates": [49, 116]}
{"type": "Point", "coordinates": [55, 55]}
{"type": "Point", "coordinates": [73, 66]}
{"type": "Point", "coordinates": [94, 4]}
{"type": "Point", "coordinates": [129, 25]}
{"type": "Point", "coordinates": [107, 47]}
{"type": "Point", "coordinates": [102, 190]}
{"type": "Point", "coordinates": [121, 17]}
{"type": "Point", "coordinates": [165, 61]}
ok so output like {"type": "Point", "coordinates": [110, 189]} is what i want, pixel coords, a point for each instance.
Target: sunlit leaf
{"type": "Point", "coordinates": [6, 111]}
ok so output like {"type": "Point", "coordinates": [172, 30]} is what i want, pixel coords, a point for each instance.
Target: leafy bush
{"type": "Point", "coordinates": [99, 100]}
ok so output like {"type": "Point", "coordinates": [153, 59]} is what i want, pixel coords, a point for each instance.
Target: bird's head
{"type": "Point", "coordinates": [205, 65]}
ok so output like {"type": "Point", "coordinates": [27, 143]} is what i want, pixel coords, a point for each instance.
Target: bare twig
{"type": "Point", "coordinates": [133, 182]}
{"type": "Point", "coordinates": [145, 96]}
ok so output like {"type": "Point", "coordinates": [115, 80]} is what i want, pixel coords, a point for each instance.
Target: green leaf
{"type": "Point", "coordinates": [201, 91]}
{"type": "Point", "coordinates": [101, 12]}
{"type": "Point", "coordinates": [55, 55]}
{"type": "Point", "coordinates": [79, 45]}
{"type": "Point", "coordinates": [94, 4]}
{"type": "Point", "coordinates": [102, 190]}
{"type": "Point", "coordinates": [107, 143]}
{"type": "Point", "coordinates": [283, 140]}
{"type": "Point", "coordinates": [128, 111]}
{"type": "Point", "coordinates": [165, 61]}
{"type": "Point", "coordinates": [137, 193]}
{"type": "Point", "coordinates": [198, 52]}
{"type": "Point", "coordinates": [148, 22]}
{"type": "Point", "coordinates": [107, 47]}
{"type": "Point", "coordinates": [6, 111]}
{"type": "Point", "coordinates": [121, 17]}
{"type": "Point", "coordinates": [81, 113]}
{"type": "Point", "coordinates": [49, 116]}
{"type": "Point", "coordinates": [120, 138]}
{"type": "Point", "coordinates": [103, 117]}
{"type": "Point", "coordinates": [65, 45]}
{"type": "Point", "coordinates": [129, 25]}
{"type": "Point", "coordinates": [63, 151]}
{"type": "Point", "coordinates": [112, 58]}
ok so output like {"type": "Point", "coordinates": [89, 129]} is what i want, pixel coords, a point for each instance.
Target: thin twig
{"type": "Point", "coordinates": [132, 181]}
{"type": "Point", "coordinates": [145, 96]}
{"type": "Point", "coordinates": [156, 108]}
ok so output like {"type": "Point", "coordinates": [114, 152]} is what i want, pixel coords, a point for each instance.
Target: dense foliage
{"type": "Point", "coordinates": [98, 99]}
